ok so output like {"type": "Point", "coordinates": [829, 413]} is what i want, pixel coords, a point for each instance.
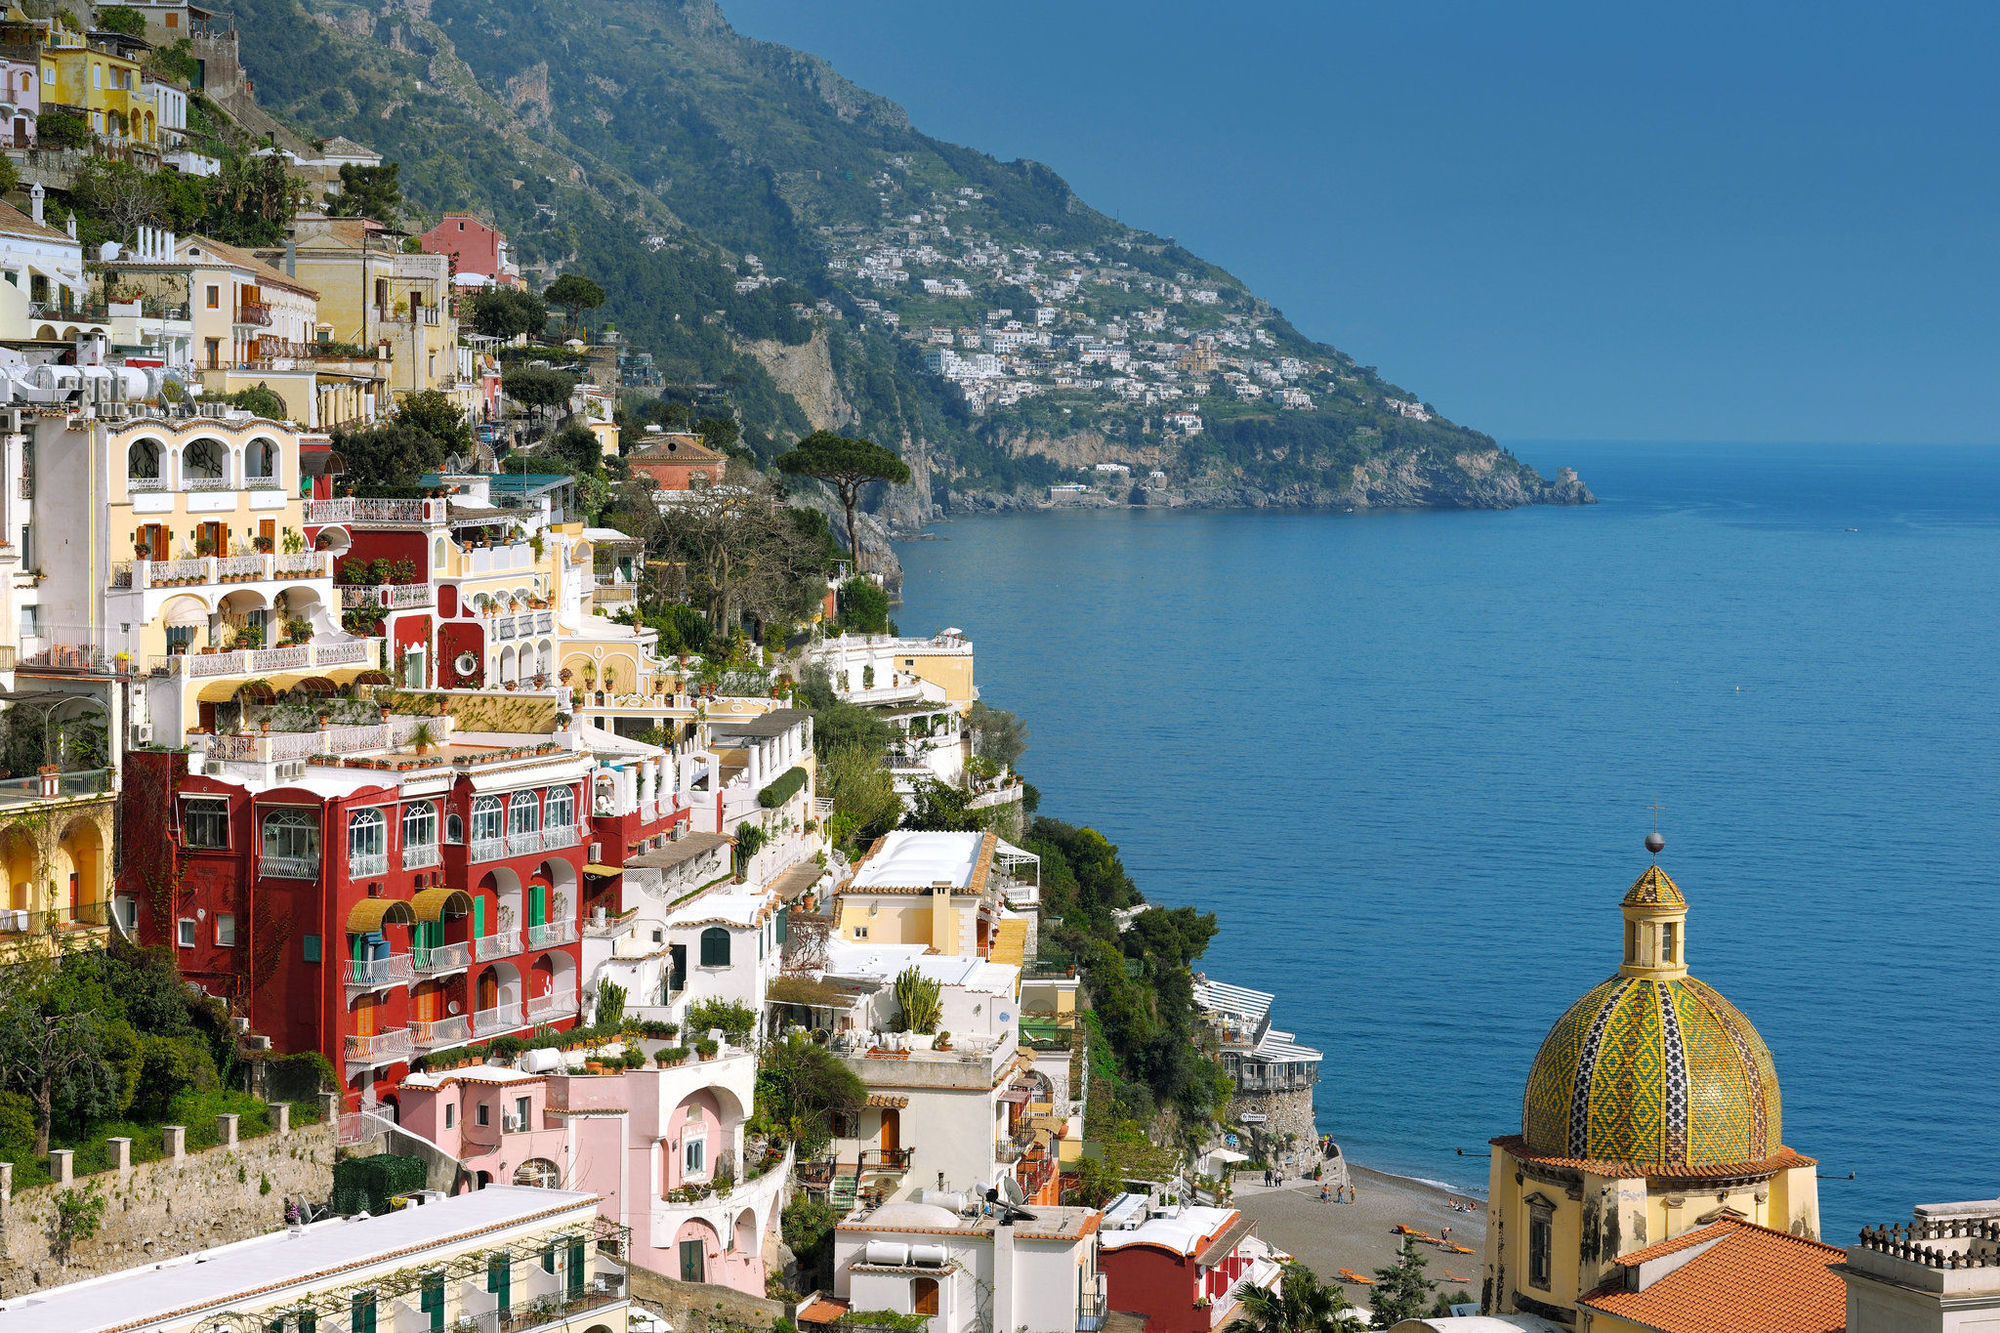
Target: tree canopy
{"type": "Point", "coordinates": [575, 294]}
{"type": "Point", "coordinates": [508, 312]}
{"type": "Point", "coordinates": [847, 465]}
{"type": "Point", "coordinates": [434, 413]}
{"type": "Point", "coordinates": [387, 453]}
{"type": "Point", "coordinates": [368, 192]}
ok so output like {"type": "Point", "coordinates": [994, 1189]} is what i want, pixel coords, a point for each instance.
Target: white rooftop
{"type": "Point", "coordinates": [1221, 997]}
{"type": "Point", "coordinates": [1184, 1232]}
{"type": "Point", "coordinates": [885, 962]}
{"type": "Point", "coordinates": [472, 1074]}
{"type": "Point", "coordinates": [911, 859]}
{"type": "Point", "coordinates": [734, 905]}
{"type": "Point", "coordinates": [260, 1270]}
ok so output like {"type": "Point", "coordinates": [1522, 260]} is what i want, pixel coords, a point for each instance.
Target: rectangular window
{"type": "Point", "coordinates": [225, 929]}
{"type": "Point", "coordinates": [694, 1154]}
{"type": "Point", "coordinates": [311, 945]}
{"type": "Point", "coordinates": [430, 1300]}
{"type": "Point", "coordinates": [1540, 1227]}
{"type": "Point", "coordinates": [1668, 941]}
{"type": "Point", "coordinates": [362, 1313]}
{"type": "Point", "coordinates": [1631, 941]}
{"type": "Point", "coordinates": [214, 297]}
{"type": "Point", "coordinates": [861, 932]}
{"type": "Point", "coordinates": [521, 1105]}
{"type": "Point", "coordinates": [205, 825]}
{"type": "Point", "coordinates": [485, 1115]}
{"type": "Point", "coordinates": [184, 933]}
{"type": "Point", "coordinates": [450, 1116]}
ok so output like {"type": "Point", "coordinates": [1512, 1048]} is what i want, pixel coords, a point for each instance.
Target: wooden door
{"type": "Point", "coordinates": [489, 990]}
{"type": "Point", "coordinates": [153, 536]}
{"type": "Point", "coordinates": [923, 1295]}
{"type": "Point", "coordinates": [892, 1130]}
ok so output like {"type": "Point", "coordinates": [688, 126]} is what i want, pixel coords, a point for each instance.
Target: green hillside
{"type": "Point", "coordinates": [648, 144]}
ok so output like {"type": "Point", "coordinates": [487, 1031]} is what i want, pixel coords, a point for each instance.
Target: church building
{"type": "Point", "coordinates": [1652, 1110]}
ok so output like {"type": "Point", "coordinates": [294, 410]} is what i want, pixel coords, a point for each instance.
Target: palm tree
{"type": "Point", "coordinates": [1300, 1303]}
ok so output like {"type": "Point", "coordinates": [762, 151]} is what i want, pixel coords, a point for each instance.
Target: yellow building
{"type": "Point", "coordinates": [98, 77]}
{"type": "Point", "coordinates": [55, 852]}
{"type": "Point", "coordinates": [1652, 1109]}
{"type": "Point", "coordinates": [935, 889]}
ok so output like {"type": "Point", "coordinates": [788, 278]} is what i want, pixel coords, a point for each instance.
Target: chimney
{"type": "Point", "coordinates": [168, 254]}
{"type": "Point", "coordinates": [291, 258]}
{"type": "Point", "coordinates": [35, 196]}
{"type": "Point", "coordinates": [72, 224]}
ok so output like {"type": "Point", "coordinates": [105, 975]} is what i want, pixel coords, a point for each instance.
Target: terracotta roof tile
{"type": "Point", "coordinates": [1751, 1279]}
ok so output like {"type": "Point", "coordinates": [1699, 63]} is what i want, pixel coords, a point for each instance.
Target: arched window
{"type": "Point", "coordinates": [291, 844]}
{"type": "Point", "coordinates": [205, 461]}
{"type": "Point", "coordinates": [454, 828]}
{"type": "Point", "coordinates": [142, 460]}
{"type": "Point", "coordinates": [561, 810]}
{"type": "Point", "coordinates": [260, 461]}
{"type": "Point", "coordinates": [715, 947]}
{"type": "Point", "coordinates": [367, 844]}
{"type": "Point", "coordinates": [419, 827]}
{"type": "Point", "coordinates": [524, 818]}
{"type": "Point", "coordinates": [486, 819]}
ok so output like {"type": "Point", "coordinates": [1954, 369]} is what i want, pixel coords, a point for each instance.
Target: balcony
{"type": "Point", "coordinates": [143, 574]}
{"type": "Point", "coordinates": [54, 921]}
{"type": "Point", "coordinates": [374, 973]}
{"type": "Point", "coordinates": [378, 512]}
{"type": "Point", "coordinates": [504, 944]}
{"type": "Point", "coordinates": [442, 958]}
{"type": "Point", "coordinates": [428, 1036]}
{"type": "Point", "coordinates": [550, 934]}
{"type": "Point", "coordinates": [289, 867]}
{"type": "Point", "coordinates": [501, 1018]}
{"type": "Point", "coordinates": [886, 1161]}
{"type": "Point", "coordinates": [255, 313]}
{"type": "Point", "coordinates": [264, 661]}
{"type": "Point", "coordinates": [548, 1008]}
{"type": "Point", "coordinates": [391, 596]}
{"type": "Point", "coordinates": [367, 865]}
{"type": "Point", "coordinates": [489, 849]}
{"type": "Point", "coordinates": [379, 1048]}
{"type": "Point", "coordinates": [421, 855]}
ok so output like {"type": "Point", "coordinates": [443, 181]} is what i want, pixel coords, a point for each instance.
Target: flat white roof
{"type": "Point", "coordinates": [911, 859]}
{"type": "Point", "coordinates": [256, 1271]}
{"type": "Point", "coordinates": [884, 962]}
{"type": "Point", "coordinates": [1183, 1233]}
{"type": "Point", "coordinates": [736, 905]}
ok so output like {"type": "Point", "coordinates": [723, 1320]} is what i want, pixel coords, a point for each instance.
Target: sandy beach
{"type": "Point", "coordinates": [1327, 1237]}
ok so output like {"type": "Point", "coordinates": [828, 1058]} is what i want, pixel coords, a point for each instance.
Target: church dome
{"type": "Point", "coordinates": [1653, 1067]}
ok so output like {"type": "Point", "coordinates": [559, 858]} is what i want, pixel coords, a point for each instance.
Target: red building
{"type": "Point", "coordinates": [1184, 1269]}
{"type": "Point", "coordinates": [374, 906]}
{"type": "Point", "coordinates": [676, 461]}
{"type": "Point", "coordinates": [473, 246]}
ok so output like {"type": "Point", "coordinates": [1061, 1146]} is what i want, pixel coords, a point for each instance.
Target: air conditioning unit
{"type": "Point", "coordinates": [597, 853]}
{"type": "Point", "coordinates": [142, 733]}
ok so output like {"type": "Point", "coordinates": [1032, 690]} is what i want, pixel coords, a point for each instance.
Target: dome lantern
{"type": "Point", "coordinates": [1655, 927]}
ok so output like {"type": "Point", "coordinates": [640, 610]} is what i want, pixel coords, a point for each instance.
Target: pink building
{"type": "Point", "coordinates": [473, 246]}
{"type": "Point", "coordinates": [665, 1149]}
{"type": "Point", "coordinates": [20, 102]}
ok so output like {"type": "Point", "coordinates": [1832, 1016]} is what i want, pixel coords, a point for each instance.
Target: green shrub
{"type": "Point", "coordinates": [782, 788]}
{"type": "Point", "coordinates": [366, 1184]}
{"type": "Point", "coordinates": [736, 1021]}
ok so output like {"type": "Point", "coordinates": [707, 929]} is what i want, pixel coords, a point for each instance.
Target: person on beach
{"type": "Point", "coordinates": [1325, 1194]}
{"type": "Point", "coordinates": [1445, 1234]}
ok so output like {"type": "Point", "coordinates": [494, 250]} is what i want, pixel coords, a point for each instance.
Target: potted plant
{"type": "Point", "coordinates": [942, 1041]}
{"type": "Point", "coordinates": [671, 1056]}
{"type": "Point", "coordinates": [248, 636]}
{"type": "Point", "coordinates": [423, 738]}
{"type": "Point", "coordinates": [706, 1048]}
{"type": "Point", "coordinates": [204, 547]}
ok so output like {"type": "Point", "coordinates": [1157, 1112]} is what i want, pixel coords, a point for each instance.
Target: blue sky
{"type": "Point", "coordinates": [1553, 221]}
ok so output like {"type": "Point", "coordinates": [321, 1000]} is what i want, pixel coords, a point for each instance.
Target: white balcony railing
{"type": "Point", "coordinates": [310, 564]}
{"type": "Point", "coordinates": [338, 654]}
{"type": "Point", "coordinates": [551, 933]}
{"type": "Point", "coordinates": [417, 856]}
{"type": "Point", "coordinates": [369, 973]}
{"type": "Point", "coordinates": [547, 1008]}
{"type": "Point", "coordinates": [489, 849]}
{"type": "Point", "coordinates": [441, 957]}
{"type": "Point", "coordinates": [524, 843]}
{"type": "Point", "coordinates": [500, 1018]}
{"type": "Point", "coordinates": [501, 944]}
{"type": "Point", "coordinates": [379, 1048]}
{"type": "Point", "coordinates": [289, 867]}
{"type": "Point", "coordinates": [440, 1032]}
{"type": "Point", "coordinates": [290, 657]}
{"type": "Point", "coordinates": [359, 509]}
{"type": "Point", "coordinates": [365, 865]}
{"type": "Point", "coordinates": [558, 835]}
{"type": "Point", "coordinates": [239, 567]}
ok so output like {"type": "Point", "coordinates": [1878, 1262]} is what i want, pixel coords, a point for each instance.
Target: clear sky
{"type": "Point", "coordinates": [1728, 222]}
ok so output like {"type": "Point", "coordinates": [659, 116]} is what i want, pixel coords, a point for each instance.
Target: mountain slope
{"type": "Point", "coordinates": [765, 227]}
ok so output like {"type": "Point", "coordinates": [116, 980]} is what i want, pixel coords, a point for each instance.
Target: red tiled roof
{"type": "Point", "coordinates": [1751, 1279]}
{"type": "Point", "coordinates": [823, 1310]}
{"type": "Point", "coordinates": [1784, 1160]}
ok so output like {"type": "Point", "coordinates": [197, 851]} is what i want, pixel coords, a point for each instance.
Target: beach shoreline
{"type": "Point", "coordinates": [1361, 1236]}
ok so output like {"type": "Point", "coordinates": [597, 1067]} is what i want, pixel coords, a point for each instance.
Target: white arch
{"type": "Point", "coordinates": [263, 460]}
{"type": "Point", "coordinates": [507, 664]}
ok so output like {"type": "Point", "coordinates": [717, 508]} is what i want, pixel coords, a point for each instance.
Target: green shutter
{"type": "Point", "coordinates": [363, 1320]}
{"type": "Point", "coordinates": [312, 948]}
{"type": "Point", "coordinates": [500, 1280]}
{"type": "Point", "coordinates": [479, 916]}
{"type": "Point", "coordinates": [691, 1265]}
{"type": "Point", "coordinates": [549, 1257]}
{"type": "Point", "coordinates": [537, 905]}
{"type": "Point", "coordinates": [784, 924]}
{"type": "Point", "coordinates": [576, 1268]}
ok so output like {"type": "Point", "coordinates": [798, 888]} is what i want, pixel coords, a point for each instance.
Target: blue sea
{"type": "Point", "coordinates": [1409, 759]}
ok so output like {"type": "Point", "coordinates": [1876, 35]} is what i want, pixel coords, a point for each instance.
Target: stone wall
{"type": "Point", "coordinates": [1285, 1112]}
{"type": "Point", "coordinates": [161, 1209]}
{"type": "Point", "coordinates": [697, 1307]}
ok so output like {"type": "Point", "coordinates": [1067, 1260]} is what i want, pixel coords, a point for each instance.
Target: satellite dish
{"type": "Point", "coordinates": [1012, 1189]}
{"type": "Point", "coordinates": [109, 251]}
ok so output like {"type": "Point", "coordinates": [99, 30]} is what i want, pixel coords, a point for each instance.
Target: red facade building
{"type": "Point", "coordinates": [675, 461]}
{"type": "Point", "coordinates": [1184, 1269]}
{"type": "Point", "coordinates": [473, 246]}
{"type": "Point", "coordinates": [368, 913]}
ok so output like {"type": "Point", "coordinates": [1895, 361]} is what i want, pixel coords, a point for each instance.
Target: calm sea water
{"type": "Point", "coordinates": [1410, 759]}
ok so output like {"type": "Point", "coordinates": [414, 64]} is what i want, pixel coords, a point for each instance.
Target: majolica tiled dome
{"type": "Point", "coordinates": [1657, 1071]}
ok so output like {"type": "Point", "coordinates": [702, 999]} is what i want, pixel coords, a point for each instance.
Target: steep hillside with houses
{"type": "Point", "coordinates": [769, 230]}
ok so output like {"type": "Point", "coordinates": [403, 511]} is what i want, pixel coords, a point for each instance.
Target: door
{"type": "Point", "coordinates": [538, 905]}
{"type": "Point", "coordinates": [678, 979]}
{"type": "Point", "coordinates": [500, 1281]}
{"type": "Point", "coordinates": [892, 1133]}
{"type": "Point", "coordinates": [923, 1295]}
{"type": "Point", "coordinates": [489, 990]}
{"type": "Point", "coordinates": [216, 535]}
{"type": "Point", "coordinates": [267, 534]}
{"type": "Point", "coordinates": [575, 1269]}
{"type": "Point", "coordinates": [691, 1261]}
{"type": "Point", "coordinates": [153, 536]}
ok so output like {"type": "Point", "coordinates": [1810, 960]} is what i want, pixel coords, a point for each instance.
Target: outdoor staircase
{"type": "Point", "coordinates": [845, 1187]}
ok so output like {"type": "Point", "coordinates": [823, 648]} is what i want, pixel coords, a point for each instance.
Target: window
{"type": "Point", "coordinates": [367, 843]}
{"type": "Point", "coordinates": [561, 807]}
{"type": "Point", "coordinates": [1669, 941]}
{"type": "Point", "coordinates": [173, 19]}
{"type": "Point", "coordinates": [500, 1280]}
{"type": "Point", "coordinates": [420, 825]}
{"type": "Point", "coordinates": [214, 297]}
{"type": "Point", "coordinates": [521, 1105]}
{"type": "Point", "coordinates": [1631, 941]}
{"type": "Point", "coordinates": [205, 459]}
{"type": "Point", "coordinates": [524, 814]}
{"type": "Point", "coordinates": [485, 1114]}
{"type": "Point", "coordinates": [362, 1313]}
{"type": "Point", "coordinates": [454, 828]}
{"type": "Point", "coordinates": [430, 1299]}
{"type": "Point", "coordinates": [1540, 1229]}
{"type": "Point", "coordinates": [291, 844]}
{"type": "Point", "coordinates": [184, 933]}
{"type": "Point", "coordinates": [311, 944]}
{"type": "Point", "coordinates": [205, 825]}
{"type": "Point", "coordinates": [694, 1157]}
{"type": "Point", "coordinates": [450, 1115]}
{"type": "Point", "coordinates": [715, 947]}
{"type": "Point", "coordinates": [861, 932]}
{"type": "Point", "coordinates": [486, 819]}
{"type": "Point", "coordinates": [143, 459]}
{"type": "Point", "coordinates": [225, 929]}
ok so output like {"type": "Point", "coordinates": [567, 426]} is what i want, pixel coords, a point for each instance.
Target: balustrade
{"type": "Point", "coordinates": [500, 1018]}
{"type": "Point", "coordinates": [366, 865]}
{"type": "Point", "coordinates": [372, 972]}
{"type": "Point", "coordinates": [379, 1048]}
{"type": "Point", "coordinates": [290, 867]}
{"type": "Point", "coordinates": [437, 958]}
{"type": "Point", "coordinates": [551, 933]}
{"type": "Point", "coordinates": [543, 1008]}
{"type": "Point", "coordinates": [418, 856]}
{"type": "Point", "coordinates": [501, 944]}
{"type": "Point", "coordinates": [489, 849]}
{"type": "Point", "coordinates": [428, 1035]}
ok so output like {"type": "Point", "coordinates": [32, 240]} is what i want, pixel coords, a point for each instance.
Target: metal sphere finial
{"type": "Point", "coordinates": [1654, 842]}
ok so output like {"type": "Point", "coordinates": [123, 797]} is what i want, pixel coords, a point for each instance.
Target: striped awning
{"type": "Point", "coordinates": [222, 691]}
{"type": "Point", "coordinates": [371, 914]}
{"type": "Point", "coordinates": [316, 685]}
{"type": "Point", "coordinates": [432, 904]}
{"type": "Point", "coordinates": [373, 677]}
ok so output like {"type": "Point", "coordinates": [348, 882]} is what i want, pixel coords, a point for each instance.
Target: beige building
{"type": "Point", "coordinates": [1937, 1273]}
{"type": "Point", "coordinates": [935, 889]}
